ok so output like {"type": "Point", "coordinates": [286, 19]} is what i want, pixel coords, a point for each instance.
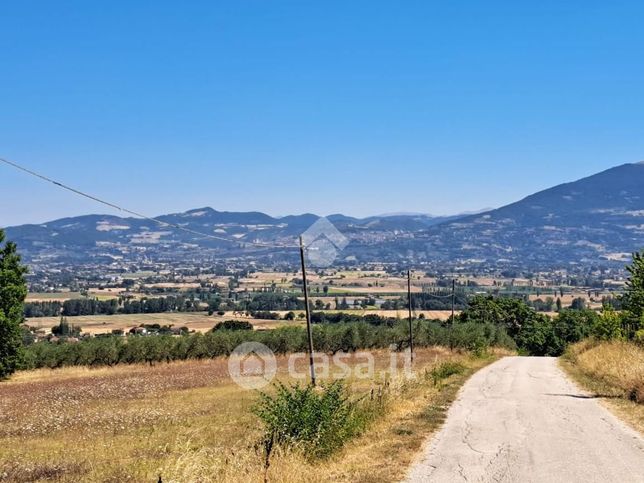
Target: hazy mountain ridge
{"type": "Point", "coordinates": [595, 219]}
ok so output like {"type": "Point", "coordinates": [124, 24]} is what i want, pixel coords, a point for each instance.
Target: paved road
{"type": "Point", "coordinates": [521, 420]}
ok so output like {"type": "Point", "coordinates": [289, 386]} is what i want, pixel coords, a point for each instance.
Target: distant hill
{"type": "Point", "coordinates": [103, 237]}
{"type": "Point", "coordinates": [596, 220]}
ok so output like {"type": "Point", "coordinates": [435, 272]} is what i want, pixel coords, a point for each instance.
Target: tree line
{"type": "Point", "coordinates": [327, 338]}
{"type": "Point", "coordinates": [92, 306]}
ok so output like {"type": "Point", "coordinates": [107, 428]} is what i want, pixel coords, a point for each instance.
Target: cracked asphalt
{"type": "Point", "coordinates": [522, 420]}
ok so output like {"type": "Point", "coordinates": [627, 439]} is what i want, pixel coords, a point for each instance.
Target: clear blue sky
{"type": "Point", "coordinates": [359, 107]}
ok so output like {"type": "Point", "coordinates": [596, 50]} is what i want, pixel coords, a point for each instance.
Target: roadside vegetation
{"type": "Point", "coordinates": [617, 366]}
{"type": "Point", "coordinates": [610, 364]}
{"type": "Point", "coordinates": [613, 371]}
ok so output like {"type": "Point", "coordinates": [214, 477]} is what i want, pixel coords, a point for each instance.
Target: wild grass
{"type": "Point", "coordinates": [186, 421]}
{"type": "Point", "coordinates": [446, 369]}
{"type": "Point", "coordinates": [613, 370]}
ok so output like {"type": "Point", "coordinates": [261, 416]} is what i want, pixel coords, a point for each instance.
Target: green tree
{"type": "Point", "coordinates": [608, 326]}
{"type": "Point", "coordinates": [511, 313]}
{"type": "Point", "coordinates": [13, 291]}
{"type": "Point", "coordinates": [578, 304]}
{"type": "Point", "coordinates": [634, 297]}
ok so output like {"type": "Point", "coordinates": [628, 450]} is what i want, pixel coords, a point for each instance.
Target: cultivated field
{"type": "Point", "coordinates": [197, 321]}
{"type": "Point", "coordinates": [201, 321]}
{"type": "Point", "coordinates": [187, 421]}
{"type": "Point", "coordinates": [53, 297]}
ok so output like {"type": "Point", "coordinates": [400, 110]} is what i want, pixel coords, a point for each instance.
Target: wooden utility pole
{"type": "Point", "coordinates": [308, 313]}
{"type": "Point", "coordinates": [411, 333]}
{"type": "Point", "coordinates": [453, 297]}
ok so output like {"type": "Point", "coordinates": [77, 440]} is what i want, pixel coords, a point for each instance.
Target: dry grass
{"type": "Point", "coordinates": [202, 322]}
{"type": "Point", "coordinates": [614, 371]}
{"type": "Point", "coordinates": [197, 321]}
{"type": "Point", "coordinates": [188, 422]}
{"type": "Point", "coordinates": [52, 297]}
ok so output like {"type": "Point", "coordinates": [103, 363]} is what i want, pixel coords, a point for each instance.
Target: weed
{"type": "Point", "coordinates": [445, 370]}
{"type": "Point", "coordinates": [316, 421]}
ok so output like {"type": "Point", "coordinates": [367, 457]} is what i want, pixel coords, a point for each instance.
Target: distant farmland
{"type": "Point", "coordinates": [199, 321]}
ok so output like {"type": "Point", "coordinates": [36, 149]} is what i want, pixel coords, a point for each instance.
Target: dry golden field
{"type": "Point", "coordinates": [200, 321]}
{"type": "Point", "coordinates": [613, 371]}
{"type": "Point", "coordinates": [187, 422]}
{"type": "Point", "coordinates": [197, 321]}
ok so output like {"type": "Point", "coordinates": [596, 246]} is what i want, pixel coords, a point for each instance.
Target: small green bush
{"type": "Point", "coordinates": [445, 370]}
{"type": "Point", "coordinates": [639, 337]}
{"type": "Point", "coordinates": [317, 421]}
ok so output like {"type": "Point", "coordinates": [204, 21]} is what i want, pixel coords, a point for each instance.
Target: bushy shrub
{"type": "Point", "coordinates": [639, 337]}
{"type": "Point", "coordinates": [445, 370]}
{"type": "Point", "coordinates": [233, 325]}
{"type": "Point", "coordinates": [533, 333]}
{"type": "Point", "coordinates": [608, 326]}
{"type": "Point", "coordinates": [316, 421]}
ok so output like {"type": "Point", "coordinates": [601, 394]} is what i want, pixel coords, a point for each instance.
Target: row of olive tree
{"type": "Point", "coordinates": [327, 338]}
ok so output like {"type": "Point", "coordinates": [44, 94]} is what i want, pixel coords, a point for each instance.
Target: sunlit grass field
{"type": "Point", "coordinates": [187, 421]}
{"type": "Point", "coordinates": [613, 370]}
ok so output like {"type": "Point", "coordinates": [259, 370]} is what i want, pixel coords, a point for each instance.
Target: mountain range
{"type": "Point", "coordinates": [596, 220]}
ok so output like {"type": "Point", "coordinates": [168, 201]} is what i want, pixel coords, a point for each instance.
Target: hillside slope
{"type": "Point", "coordinates": [595, 220]}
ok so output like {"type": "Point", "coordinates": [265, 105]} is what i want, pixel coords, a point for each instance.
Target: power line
{"type": "Point", "coordinates": [164, 224]}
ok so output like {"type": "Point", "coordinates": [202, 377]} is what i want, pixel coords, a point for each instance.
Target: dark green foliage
{"type": "Point", "coordinates": [233, 325]}
{"type": "Point", "coordinates": [316, 421]}
{"type": "Point", "coordinates": [64, 329]}
{"type": "Point", "coordinates": [538, 337]}
{"type": "Point", "coordinates": [575, 325]}
{"type": "Point", "coordinates": [547, 305]}
{"type": "Point", "coordinates": [92, 306]}
{"type": "Point", "coordinates": [265, 314]}
{"type": "Point", "coordinates": [43, 309]}
{"type": "Point", "coordinates": [440, 300]}
{"type": "Point", "coordinates": [534, 333]}
{"type": "Point", "coordinates": [510, 313]}
{"type": "Point", "coordinates": [634, 297]}
{"type": "Point", "coordinates": [609, 326]}
{"type": "Point", "coordinates": [445, 370]}
{"type": "Point", "coordinates": [578, 304]}
{"type": "Point", "coordinates": [13, 291]}
{"type": "Point", "coordinates": [327, 338]}
{"type": "Point", "coordinates": [271, 301]}
{"type": "Point", "coordinates": [633, 300]}
{"type": "Point", "coordinates": [342, 317]}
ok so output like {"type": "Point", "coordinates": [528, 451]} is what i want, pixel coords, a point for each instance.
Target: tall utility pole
{"type": "Point", "coordinates": [411, 334]}
{"type": "Point", "coordinates": [453, 297]}
{"type": "Point", "coordinates": [308, 313]}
